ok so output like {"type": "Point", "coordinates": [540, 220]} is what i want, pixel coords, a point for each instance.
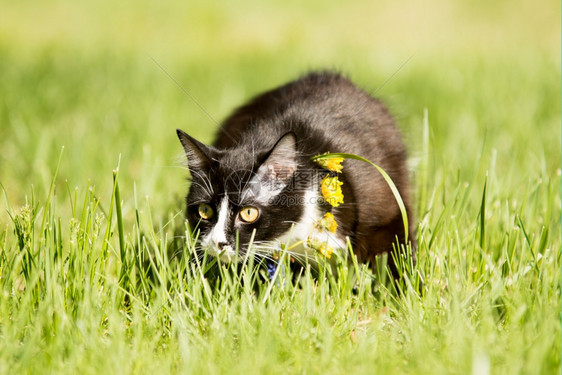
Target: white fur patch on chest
{"type": "Point", "coordinates": [307, 228]}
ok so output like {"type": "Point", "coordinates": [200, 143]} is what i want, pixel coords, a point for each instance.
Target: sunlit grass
{"type": "Point", "coordinates": [75, 296]}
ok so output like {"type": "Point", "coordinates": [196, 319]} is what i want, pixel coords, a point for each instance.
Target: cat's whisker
{"type": "Point", "coordinates": [204, 189]}
{"type": "Point", "coordinates": [253, 154]}
{"type": "Point", "coordinates": [258, 242]}
{"type": "Point", "coordinates": [210, 191]}
{"type": "Point", "coordinates": [264, 256]}
{"type": "Point", "coordinates": [289, 222]}
{"type": "Point", "coordinates": [207, 187]}
{"type": "Point", "coordinates": [296, 255]}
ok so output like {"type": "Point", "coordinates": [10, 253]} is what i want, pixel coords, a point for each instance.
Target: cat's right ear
{"type": "Point", "coordinates": [280, 165]}
{"type": "Point", "coordinates": [197, 153]}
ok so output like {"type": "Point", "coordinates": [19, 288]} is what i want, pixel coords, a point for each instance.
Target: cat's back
{"type": "Point", "coordinates": [326, 111]}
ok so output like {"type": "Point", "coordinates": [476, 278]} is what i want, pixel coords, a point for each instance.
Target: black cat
{"type": "Point", "coordinates": [257, 182]}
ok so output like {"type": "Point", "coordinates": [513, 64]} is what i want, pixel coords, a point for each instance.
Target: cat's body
{"type": "Point", "coordinates": [258, 175]}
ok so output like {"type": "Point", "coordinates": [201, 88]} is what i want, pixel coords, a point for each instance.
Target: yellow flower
{"type": "Point", "coordinates": [331, 190]}
{"type": "Point", "coordinates": [326, 250]}
{"type": "Point", "coordinates": [321, 247]}
{"type": "Point", "coordinates": [328, 222]}
{"type": "Point", "coordinates": [331, 164]}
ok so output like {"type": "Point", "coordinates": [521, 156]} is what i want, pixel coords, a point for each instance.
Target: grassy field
{"type": "Point", "coordinates": [86, 283]}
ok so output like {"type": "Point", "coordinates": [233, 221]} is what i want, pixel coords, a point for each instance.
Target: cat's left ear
{"type": "Point", "coordinates": [281, 163]}
{"type": "Point", "coordinates": [197, 153]}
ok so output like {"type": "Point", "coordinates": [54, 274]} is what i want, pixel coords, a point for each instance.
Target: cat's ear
{"type": "Point", "coordinates": [281, 163]}
{"type": "Point", "coordinates": [198, 154]}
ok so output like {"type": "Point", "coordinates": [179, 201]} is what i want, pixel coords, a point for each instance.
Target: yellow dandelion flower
{"type": "Point", "coordinates": [331, 164]}
{"type": "Point", "coordinates": [331, 190]}
{"type": "Point", "coordinates": [321, 247]}
{"type": "Point", "coordinates": [329, 222]}
{"type": "Point", "coordinates": [326, 250]}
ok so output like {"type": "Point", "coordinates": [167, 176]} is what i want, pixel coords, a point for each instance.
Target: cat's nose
{"type": "Point", "coordinates": [220, 245]}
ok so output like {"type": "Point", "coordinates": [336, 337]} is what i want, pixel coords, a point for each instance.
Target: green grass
{"type": "Point", "coordinates": [87, 282]}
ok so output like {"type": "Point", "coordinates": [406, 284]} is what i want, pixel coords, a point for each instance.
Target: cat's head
{"type": "Point", "coordinates": [242, 194]}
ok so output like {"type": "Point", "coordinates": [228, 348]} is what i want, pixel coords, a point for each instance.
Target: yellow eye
{"type": "Point", "coordinates": [205, 211]}
{"type": "Point", "coordinates": [249, 214]}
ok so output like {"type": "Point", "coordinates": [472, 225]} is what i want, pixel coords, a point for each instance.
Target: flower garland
{"type": "Point", "coordinates": [330, 186]}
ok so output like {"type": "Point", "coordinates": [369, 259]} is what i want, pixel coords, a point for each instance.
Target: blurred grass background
{"type": "Point", "coordinates": [81, 75]}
